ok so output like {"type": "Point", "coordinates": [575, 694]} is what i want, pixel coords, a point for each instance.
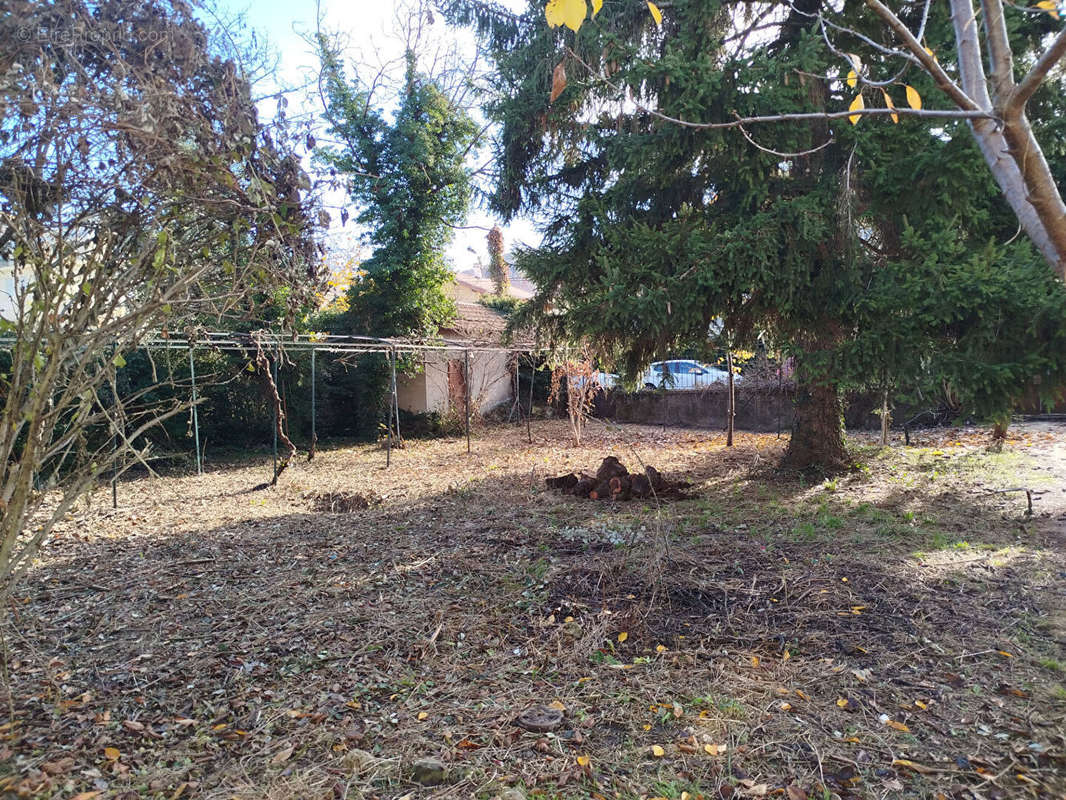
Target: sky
{"type": "Point", "coordinates": [369, 26]}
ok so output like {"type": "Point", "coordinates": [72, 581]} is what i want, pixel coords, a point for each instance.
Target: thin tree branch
{"type": "Point", "coordinates": [930, 64]}
{"type": "Point", "coordinates": [758, 146]}
{"type": "Point", "coordinates": [1000, 57]}
{"type": "Point", "coordinates": [927, 113]}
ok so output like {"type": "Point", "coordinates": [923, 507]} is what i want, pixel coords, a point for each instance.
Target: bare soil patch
{"type": "Point", "coordinates": [895, 632]}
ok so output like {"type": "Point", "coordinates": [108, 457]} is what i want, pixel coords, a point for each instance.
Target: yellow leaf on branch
{"type": "Point", "coordinates": [596, 6]}
{"type": "Point", "coordinates": [853, 79]}
{"type": "Point", "coordinates": [570, 13]}
{"type": "Point", "coordinates": [856, 105]}
{"type": "Point", "coordinates": [656, 14]}
{"type": "Point", "coordinates": [914, 100]}
{"type": "Point", "coordinates": [1050, 6]}
{"type": "Point", "coordinates": [895, 118]}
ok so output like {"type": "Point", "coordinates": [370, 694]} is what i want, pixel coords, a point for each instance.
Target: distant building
{"type": "Point", "coordinates": [440, 386]}
{"type": "Point", "coordinates": [7, 289]}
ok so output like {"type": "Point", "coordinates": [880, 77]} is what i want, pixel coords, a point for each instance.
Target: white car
{"type": "Point", "coordinates": [683, 374]}
{"type": "Point", "coordinates": [675, 374]}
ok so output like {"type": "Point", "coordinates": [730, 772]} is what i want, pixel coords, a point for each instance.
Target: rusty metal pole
{"type": "Point", "coordinates": [466, 386]}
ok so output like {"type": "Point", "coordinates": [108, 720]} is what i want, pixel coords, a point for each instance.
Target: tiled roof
{"type": "Point", "coordinates": [476, 323]}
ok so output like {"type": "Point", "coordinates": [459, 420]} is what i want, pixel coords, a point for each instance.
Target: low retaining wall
{"type": "Point", "coordinates": [757, 410]}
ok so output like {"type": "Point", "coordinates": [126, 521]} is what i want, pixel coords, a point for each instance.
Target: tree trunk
{"type": "Point", "coordinates": [818, 430]}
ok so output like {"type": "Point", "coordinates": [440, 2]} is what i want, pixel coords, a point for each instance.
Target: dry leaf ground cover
{"type": "Point", "coordinates": [894, 632]}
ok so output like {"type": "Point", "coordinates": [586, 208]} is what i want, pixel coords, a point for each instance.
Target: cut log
{"type": "Point", "coordinates": [611, 467]}
{"type": "Point", "coordinates": [585, 484]}
{"type": "Point", "coordinates": [620, 487]}
{"type": "Point", "coordinates": [640, 486]}
{"type": "Point", "coordinates": [565, 482]}
{"type": "Point", "coordinates": [601, 492]}
{"type": "Point", "coordinates": [655, 478]}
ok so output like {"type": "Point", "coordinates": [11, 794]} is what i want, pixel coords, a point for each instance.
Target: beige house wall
{"type": "Point", "coordinates": [411, 392]}
{"type": "Point", "coordinates": [490, 383]}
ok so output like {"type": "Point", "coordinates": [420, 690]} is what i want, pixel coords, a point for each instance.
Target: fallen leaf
{"type": "Point", "coordinates": [422, 715]}
{"type": "Point", "coordinates": [281, 756]}
{"type": "Point", "coordinates": [557, 705]}
{"type": "Point", "coordinates": [657, 751]}
{"type": "Point", "coordinates": [899, 726]}
{"type": "Point", "coordinates": [112, 753]}
{"type": "Point", "coordinates": [622, 637]}
{"type": "Point", "coordinates": [903, 762]}
{"type": "Point", "coordinates": [583, 761]}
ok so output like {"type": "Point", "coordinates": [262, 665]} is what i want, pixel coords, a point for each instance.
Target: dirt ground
{"type": "Point", "coordinates": [899, 631]}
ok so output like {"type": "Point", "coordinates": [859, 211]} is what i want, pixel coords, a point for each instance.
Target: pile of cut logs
{"type": "Point", "coordinates": [613, 481]}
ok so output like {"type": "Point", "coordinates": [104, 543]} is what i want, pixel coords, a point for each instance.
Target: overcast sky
{"type": "Point", "coordinates": [369, 26]}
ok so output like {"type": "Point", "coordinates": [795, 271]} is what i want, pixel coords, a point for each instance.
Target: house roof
{"type": "Point", "coordinates": [476, 322]}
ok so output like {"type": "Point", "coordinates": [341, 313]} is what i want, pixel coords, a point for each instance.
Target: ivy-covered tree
{"type": "Point", "coordinates": [656, 230]}
{"type": "Point", "coordinates": [406, 172]}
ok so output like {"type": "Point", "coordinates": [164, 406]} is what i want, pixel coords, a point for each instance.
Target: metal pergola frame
{"type": "Point", "coordinates": [226, 341]}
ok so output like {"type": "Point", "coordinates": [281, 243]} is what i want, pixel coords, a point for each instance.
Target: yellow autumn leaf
{"type": "Point", "coordinates": [422, 715]}
{"type": "Point", "coordinates": [111, 753]}
{"type": "Point", "coordinates": [583, 761]}
{"type": "Point", "coordinates": [802, 695]}
{"type": "Point", "coordinates": [557, 705]}
{"type": "Point", "coordinates": [856, 105]}
{"type": "Point", "coordinates": [622, 637]}
{"type": "Point", "coordinates": [786, 706]}
{"type": "Point", "coordinates": [786, 656]}
{"type": "Point", "coordinates": [1005, 654]}
{"type": "Point", "coordinates": [853, 79]}
{"type": "Point", "coordinates": [842, 702]}
{"type": "Point", "coordinates": [899, 726]}
{"type": "Point", "coordinates": [895, 118]}
{"type": "Point", "coordinates": [914, 100]}
{"type": "Point", "coordinates": [755, 661]}
{"type": "Point", "coordinates": [656, 14]}
{"type": "Point", "coordinates": [570, 13]}
{"type": "Point", "coordinates": [710, 749]}
{"type": "Point", "coordinates": [921, 705]}
{"type": "Point", "coordinates": [1050, 6]}
{"type": "Point", "coordinates": [659, 648]}
{"type": "Point", "coordinates": [596, 6]}
{"type": "Point", "coordinates": [657, 751]}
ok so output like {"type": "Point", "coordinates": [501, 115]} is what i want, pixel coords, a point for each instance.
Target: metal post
{"type": "Point", "coordinates": [780, 398]}
{"type": "Point", "coordinates": [395, 399]}
{"type": "Point", "coordinates": [388, 435]}
{"type": "Point", "coordinates": [275, 404]}
{"type": "Point", "coordinates": [731, 410]}
{"type": "Point", "coordinates": [466, 385]}
{"type": "Point", "coordinates": [529, 411]}
{"type": "Point", "coordinates": [195, 414]}
{"type": "Point", "coordinates": [314, 432]}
